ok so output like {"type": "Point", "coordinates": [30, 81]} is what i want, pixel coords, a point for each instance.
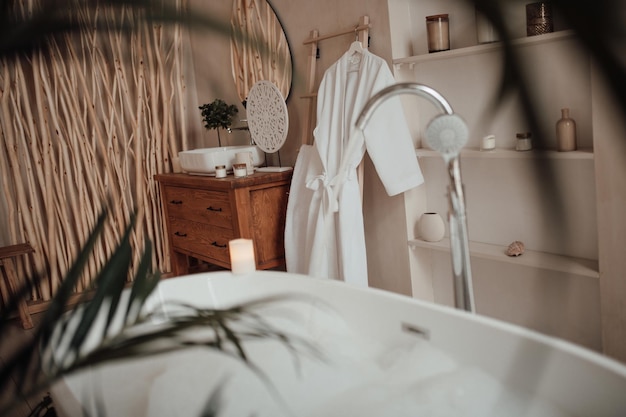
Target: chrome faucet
{"type": "Point", "coordinates": [246, 127]}
{"type": "Point", "coordinates": [446, 134]}
{"type": "Point", "coordinates": [232, 129]}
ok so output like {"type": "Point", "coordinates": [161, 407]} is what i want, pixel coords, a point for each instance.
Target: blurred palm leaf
{"type": "Point", "coordinates": [598, 26]}
{"type": "Point", "coordinates": [22, 34]}
{"type": "Point", "coordinates": [64, 336]}
{"type": "Point", "coordinates": [600, 30]}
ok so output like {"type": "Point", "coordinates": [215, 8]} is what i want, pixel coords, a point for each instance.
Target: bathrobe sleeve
{"type": "Point", "coordinates": [388, 139]}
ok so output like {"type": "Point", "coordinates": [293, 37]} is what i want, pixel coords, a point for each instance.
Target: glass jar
{"type": "Point", "coordinates": [220, 171]}
{"type": "Point", "coordinates": [438, 32]}
{"type": "Point", "coordinates": [240, 170]}
{"type": "Point", "coordinates": [524, 142]}
{"type": "Point", "coordinates": [539, 18]}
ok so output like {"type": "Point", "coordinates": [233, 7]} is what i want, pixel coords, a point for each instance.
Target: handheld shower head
{"type": "Point", "coordinates": [447, 134]}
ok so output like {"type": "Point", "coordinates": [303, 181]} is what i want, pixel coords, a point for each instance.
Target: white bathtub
{"type": "Point", "coordinates": [449, 363]}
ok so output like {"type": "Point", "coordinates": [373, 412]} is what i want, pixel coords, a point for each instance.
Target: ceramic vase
{"type": "Point", "coordinates": [431, 227]}
{"type": "Point", "coordinates": [565, 132]}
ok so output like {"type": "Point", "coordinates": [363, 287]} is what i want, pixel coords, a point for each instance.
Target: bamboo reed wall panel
{"type": "Point", "coordinates": [89, 120]}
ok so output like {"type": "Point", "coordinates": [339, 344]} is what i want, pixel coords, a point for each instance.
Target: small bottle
{"type": "Point", "coordinates": [220, 171]}
{"type": "Point", "coordinates": [524, 142]}
{"type": "Point", "coordinates": [565, 132]}
{"type": "Point", "coordinates": [438, 32]}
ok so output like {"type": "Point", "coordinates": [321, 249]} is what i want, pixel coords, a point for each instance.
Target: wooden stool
{"type": "Point", "coordinates": [7, 253]}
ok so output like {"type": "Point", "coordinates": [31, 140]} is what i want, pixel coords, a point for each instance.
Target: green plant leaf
{"type": "Point", "coordinates": [144, 283]}
{"type": "Point", "coordinates": [218, 114]}
{"type": "Point", "coordinates": [110, 283]}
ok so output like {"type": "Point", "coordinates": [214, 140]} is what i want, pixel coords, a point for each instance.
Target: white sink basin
{"type": "Point", "coordinates": [203, 161]}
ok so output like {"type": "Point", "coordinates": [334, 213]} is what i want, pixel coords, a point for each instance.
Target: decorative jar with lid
{"type": "Point", "coordinates": [524, 142]}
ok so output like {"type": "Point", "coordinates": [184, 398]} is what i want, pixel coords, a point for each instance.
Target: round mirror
{"type": "Point", "coordinates": [258, 48]}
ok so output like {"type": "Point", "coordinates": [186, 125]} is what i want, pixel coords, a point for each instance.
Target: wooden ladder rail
{"type": "Point", "coordinates": [361, 30]}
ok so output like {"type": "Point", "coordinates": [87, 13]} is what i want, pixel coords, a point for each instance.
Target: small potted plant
{"type": "Point", "coordinates": [218, 114]}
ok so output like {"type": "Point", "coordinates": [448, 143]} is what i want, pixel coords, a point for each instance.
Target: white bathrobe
{"type": "Point", "coordinates": [324, 234]}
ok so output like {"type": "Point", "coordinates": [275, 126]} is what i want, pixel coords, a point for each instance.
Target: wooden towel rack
{"type": "Point", "coordinates": [361, 30]}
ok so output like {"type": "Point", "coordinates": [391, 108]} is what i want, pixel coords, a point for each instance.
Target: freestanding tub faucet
{"type": "Point", "coordinates": [446, 134]}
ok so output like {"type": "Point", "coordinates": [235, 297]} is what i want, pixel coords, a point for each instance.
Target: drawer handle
{"type": "Point", "coordinates": [181, 234]}
{"type": "Point", "coordinates": [176, 202]}
{"type": "Point", "coordinates": [211, 208]}
{"type": "Point", "coordinates": [218, 245]}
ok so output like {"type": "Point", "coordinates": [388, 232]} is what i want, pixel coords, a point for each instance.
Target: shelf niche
{"type": "Point", "coordinates": [506, 192]}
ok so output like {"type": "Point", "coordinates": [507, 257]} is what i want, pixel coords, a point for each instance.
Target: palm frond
{"type": "Point", "coordinates": [24, 34]}
{"type": "Point", "coordinates": [66, 336]}
{"type": "Point", "coordinates": [230, 329]}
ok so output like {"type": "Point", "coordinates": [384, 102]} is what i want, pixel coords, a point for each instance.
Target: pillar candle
{"type": "Point", "coordinates": [239, 170]}
{"type": "Point", "coordinates": [488, 143]}
{"type": "Point", "coordinates": [438, 33]}
{"type": "Point", "coordinates": [241, 256]}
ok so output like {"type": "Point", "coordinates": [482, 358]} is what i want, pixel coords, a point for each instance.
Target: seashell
{"type": "Point", "coordinates": [515, 249]}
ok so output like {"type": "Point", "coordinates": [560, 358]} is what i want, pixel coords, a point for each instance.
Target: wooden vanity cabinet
{"type": "Point", "coordinates": [203, 213]}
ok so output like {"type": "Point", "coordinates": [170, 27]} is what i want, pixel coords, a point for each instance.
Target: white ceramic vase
{"type": "Point", "coordinates": [431, 227]}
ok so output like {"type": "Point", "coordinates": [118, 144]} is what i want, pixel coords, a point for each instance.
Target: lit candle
{"type": "Point", "coordinates": [241, 256]}
{"type": "Point", "coordinates": [240, 170]}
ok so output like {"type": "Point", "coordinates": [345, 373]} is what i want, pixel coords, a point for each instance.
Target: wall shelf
{"type": "Point", "coordinates": [533, 259]}
{"type": "Point", "coordinates": [483, 48]}
{"type": "Point", "coordinates": [501, 153]}
{"type": "Point", "coordinates": [508, 195]}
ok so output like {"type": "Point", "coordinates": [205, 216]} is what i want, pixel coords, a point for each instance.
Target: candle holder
{"type": "Point", "coordinates": [488, 143]}
{"type": "Point", "coordinates": [220, 171]}
{"type": "Point", "coordinates": [240, 170]}
{"type": "Point", "coordinates": [438, 32]}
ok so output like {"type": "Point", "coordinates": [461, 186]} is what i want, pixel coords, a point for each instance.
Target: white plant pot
{"type": "Point", "coordinates": [431, 227]}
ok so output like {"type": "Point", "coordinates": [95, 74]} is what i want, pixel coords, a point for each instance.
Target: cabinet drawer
{"type": "Point", "coordinates": [202, 206]}
{"type": "Point", "coordinates": [201, 239]}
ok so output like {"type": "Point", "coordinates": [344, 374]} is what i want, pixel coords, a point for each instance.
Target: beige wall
{"type": "Point", "coordinates": [386, 236]}
{"type": "Point", "coordinates": [211, 55]}
{"type": "Point", "coordinates": [299, 18]}
{"type": "Point", "coordinates": [610, 173]}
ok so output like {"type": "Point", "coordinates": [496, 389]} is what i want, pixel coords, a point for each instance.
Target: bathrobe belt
{"type": "Point", "coordinates": [331, 188]}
